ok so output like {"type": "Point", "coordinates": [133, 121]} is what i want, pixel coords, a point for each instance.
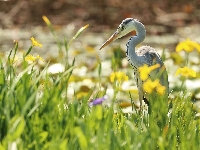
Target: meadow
{"type": "Point", "coordinates": [40, 111]}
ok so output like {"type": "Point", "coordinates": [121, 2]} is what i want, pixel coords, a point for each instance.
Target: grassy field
{"type": "Point", "coordinates": [36, 112]}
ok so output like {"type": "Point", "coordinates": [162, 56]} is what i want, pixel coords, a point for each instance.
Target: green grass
{"type": "Point", "coordinates": [34, 114]}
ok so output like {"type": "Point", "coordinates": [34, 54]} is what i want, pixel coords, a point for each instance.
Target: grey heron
{"type": "Point", "coordinates": [143, 55]}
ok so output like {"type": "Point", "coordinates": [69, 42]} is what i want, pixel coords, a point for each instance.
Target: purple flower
{"type": "Point", "coordinates": [98, 101]}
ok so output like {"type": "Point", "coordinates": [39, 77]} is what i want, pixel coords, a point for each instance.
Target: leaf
{"type": "Point", "coordinates": [63, 145]}
{"type": "Point", "coordinates": [77, 34]}
{"type": "Point", "coordinates": [98, 112]}
{"type": "Point", "coordinates": [2, 147]}
{"type": "Point", "coordinates": [28, 52]}
{"type": "Point", "coordinates": [43, 136]}
{"type": "Point", "coordinates": [16, 128]}
{"type": "Point", "coordinates": [28, 103]}
{"type": "Point", "coordinates": [99, 69]}
{"type": "Point", "coordinates": [17, 79]}
{"type": "Point", "coordinates": [81, 138]}
{"type": "Point", "coordinates": [80, 31]}
{"type": "Point", "coordinates": [2, 77]}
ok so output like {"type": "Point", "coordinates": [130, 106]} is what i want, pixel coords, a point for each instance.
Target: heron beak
{"type": "Point", "coordinates": [112, 38]}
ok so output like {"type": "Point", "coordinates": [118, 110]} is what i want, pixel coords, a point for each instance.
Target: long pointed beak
{"type": "Point", "coordinates": [112, 38]}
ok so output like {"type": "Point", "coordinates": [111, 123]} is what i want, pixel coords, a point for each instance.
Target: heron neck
{"type": "Point", "coordinates": [141, 33]}
{"type": "Point", "coordinates": [133, 42]}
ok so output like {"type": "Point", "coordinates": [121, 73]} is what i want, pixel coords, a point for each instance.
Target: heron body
{"type": "Point", "coordinates": [143, 55]}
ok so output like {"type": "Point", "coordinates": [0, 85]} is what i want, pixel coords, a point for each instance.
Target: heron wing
{"type": "Point", "coordinates": [151, 57]}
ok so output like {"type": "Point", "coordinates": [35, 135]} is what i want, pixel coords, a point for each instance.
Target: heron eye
{"type": "Point", "coordinates": [122, 28]}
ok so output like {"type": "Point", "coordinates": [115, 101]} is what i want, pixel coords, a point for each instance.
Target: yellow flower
{"type": "Point", "coordinates": [145, 70]}
{"type": "Point", "coordinates": [160, 89]}
{"type": "Point", "coordinates": [119, 76]}
{"type": "Point", "coordinates": [125, 78]}
{"type": "Point", "coordinates": [112, 77]}
{"type": "Point", "coordinates": [38, 57]}
{"type": "Point", "coordinates": [33, 58]}
{"type": "Point", "coordinates": [30, 58]}
{"type": "Point", "coordinates": [35, 43]}
{"type": "Point", "coordinates": [188, 46]}
{"type": "Point", "coordinates": [185, 71]}
{"type": "Point", "coordinates": [149, 86]}
{"type": "Point", "coordinates": [46, 20]}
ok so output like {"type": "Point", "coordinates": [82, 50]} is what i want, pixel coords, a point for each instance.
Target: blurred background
{"type": "Point", "coordinates": [99, 13]}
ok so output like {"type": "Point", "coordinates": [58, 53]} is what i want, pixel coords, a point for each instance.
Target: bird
{"type": "Point", "coordinates": [143, 55]}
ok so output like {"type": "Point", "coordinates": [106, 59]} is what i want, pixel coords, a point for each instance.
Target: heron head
{"type": "Point", "coordinates": [124, 28]}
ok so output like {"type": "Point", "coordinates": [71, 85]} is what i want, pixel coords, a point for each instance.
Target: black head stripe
{"type": "Point", "coordinates": [126, 21]}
